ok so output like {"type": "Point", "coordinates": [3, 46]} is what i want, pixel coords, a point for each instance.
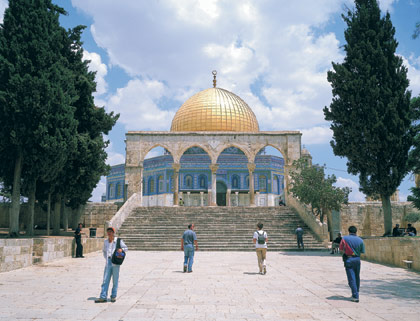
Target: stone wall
{"type": "Point", "coordinates": [96, 214]}
{"type": "Point", "coordinates": [368, 217]}
{"type": "Point", "coordinates": [15, 254]}
{"type": "Point", "coordinates": [393, 250]}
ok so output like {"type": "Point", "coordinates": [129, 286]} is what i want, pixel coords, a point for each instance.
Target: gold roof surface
{"type": "Point", "coordinates": [215, 109]}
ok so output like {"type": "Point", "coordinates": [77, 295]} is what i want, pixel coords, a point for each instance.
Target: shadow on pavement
{"type": "Point", "coordinates": [308, 253]}
{"type": "Point", "coordinates": [92, 298]}
{"type": "Point", "coordinates": [251, 273]}
{"type": "Point", "coordinates": [408, 288]}
{"type": "Point", "coordinates": [338, 298]}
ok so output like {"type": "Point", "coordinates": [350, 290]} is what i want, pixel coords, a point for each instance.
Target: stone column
{"type": "Point", "coordinates": [134, 181]}
{"type": "Point", "coordinates": [237, 198]}
{"type": "Point", "coordinates": [176, 168]}
{"type": "Point", "coordinates": [201, 198]}
{"type": "Point", "coordinates": [188, 202]}
{"type": "Point", "coordinates": [251, 169]}
{"type": "Point", "coordinates": [213, 168]}
{"type": "Point", "coordinates": [228, 197]}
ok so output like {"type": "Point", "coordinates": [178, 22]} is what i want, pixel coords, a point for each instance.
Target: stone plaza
{"type": "Point", "coordinates": [223, 286]}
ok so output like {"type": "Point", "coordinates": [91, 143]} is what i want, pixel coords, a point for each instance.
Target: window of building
{"type": "Point", "coordinates": [143, 189]}
{"type": "Point", "coordinates": [202, 179]}
{"type": "Point", "coordinates": [161, 184]}
{"type": "Point", "coordinates": [247, 181]}
{"type": "Point", "coordinates": [119, 190]}
{"type": "Point", "coordinates": [235, 181]}
{"type": "Point", "coordinates": [111, 191]}
{"type": "Point", "coordinates": [263, 183]}
{"type": "Point", "coordinates": [151, 187]}
{"type": "Point", "coordinates": [188, 181]}
{"type": "Point", "coordinates": [276, 184]}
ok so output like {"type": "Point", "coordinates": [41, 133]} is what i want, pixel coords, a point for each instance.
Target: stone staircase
{"type": "Point", "coordinates": [217, 228]}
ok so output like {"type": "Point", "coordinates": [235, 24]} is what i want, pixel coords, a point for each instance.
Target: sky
{"type": "Point", "coordinates": [151, 56]}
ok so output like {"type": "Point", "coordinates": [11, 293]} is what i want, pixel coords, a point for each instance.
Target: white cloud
{"type": "Point", "coordinates": [114, 158]}
{"type": "Point", "coordinates": [100, 69]}
{"type": "Point", "coordinates": [355, 195]}
{"type": "Point", "coordinates": [137, 105]}
{"type": "Point", "coordinates": [386, 5]}
{"type": "Point", "coordinates": [99, 190]}
{"type": "Point", "coordinates": [413, 65]}
{"type": "Point", "coordinates": [3, 5]}
{"type": "Point", "coordinates": [180, 42]}
{"type": "Point", "coordinates": [316, 135]}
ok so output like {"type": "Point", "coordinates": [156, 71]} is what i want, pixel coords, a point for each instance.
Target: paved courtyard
{"type": "Point", "coordinates": [223, 286]}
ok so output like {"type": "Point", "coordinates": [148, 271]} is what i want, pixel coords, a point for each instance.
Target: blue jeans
{"type": "Point", "coordinates": [352, 265]}
{"type": "Point", "coordinates": [189, 256]}
{"type": "Point", "coordinates": [300, 241]}
{"type": "Point", "coordinates": [114, 271]}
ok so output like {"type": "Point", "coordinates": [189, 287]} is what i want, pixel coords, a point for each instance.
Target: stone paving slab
{"type": "Point", "coordinates": [224, 286]}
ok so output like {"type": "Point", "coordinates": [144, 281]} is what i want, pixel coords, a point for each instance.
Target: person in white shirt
{"type": "Point", "coordinates": [260, 240]}
{"type": "Point", "coordinates": [110, 269]}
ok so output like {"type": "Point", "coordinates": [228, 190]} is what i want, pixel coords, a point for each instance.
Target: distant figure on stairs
{"type": "Point", "coordinates": [299, 236]}
{"type": "Point", "coordinates": [281, 202]}
{"type": "Point", "coordinates": [260, 240]}
{"type": "Point", "coordinates": [188, 240]}
{"type": "Point", "coordinates": [181, 202]}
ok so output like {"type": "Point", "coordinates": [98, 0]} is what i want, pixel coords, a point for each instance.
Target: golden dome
{"type": "Point", "coordinates": [215, 109]}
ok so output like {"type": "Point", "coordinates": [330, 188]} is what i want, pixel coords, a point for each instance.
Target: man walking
{"type": "Point", "coordinates": [352, 247]}
{"type": "Point", "coordinates": [110, 246]}
{"type": "Point", "coordinates": [188, 240]}
{"type": "Point", "coordinates": [78, 238]}
{"type": "Point", "coordinates": [260, 240]}
{"type": "Point", "coordinates": [299, 237]}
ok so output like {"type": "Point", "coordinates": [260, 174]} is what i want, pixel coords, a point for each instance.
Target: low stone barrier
{"type": "Point", "coordinates": [393, 250]}
{"type": "Point", "coordinates": [19, 253]}
{"type": "Point", "coordinates": [15, 254]}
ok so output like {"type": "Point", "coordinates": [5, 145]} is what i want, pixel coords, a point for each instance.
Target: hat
{"type": "Point", "coordinates": [111, 229]}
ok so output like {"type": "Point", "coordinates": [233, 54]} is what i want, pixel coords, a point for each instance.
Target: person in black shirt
{"type": "Point", "coordinates": [396, 230]}
{"type": "Point", "coordinates": [411, 230]}
{"type": "Point", "coordinates": [336, 243]}
{"type": "Point", "coordinates": [78, 237]}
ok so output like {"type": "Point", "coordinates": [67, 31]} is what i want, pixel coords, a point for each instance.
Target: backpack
{"type": "Point", "coordinates": [118, 258]}
{"type": "Point", "coordinates": [261, 238]}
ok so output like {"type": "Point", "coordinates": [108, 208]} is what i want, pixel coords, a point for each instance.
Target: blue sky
{"type": "Point", "coordinates": [150, 56]}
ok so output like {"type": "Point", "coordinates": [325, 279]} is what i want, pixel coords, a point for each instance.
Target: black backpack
{"type": "Point", "coordinates": [261, 237]}
{"type": "Point", "coordinates": [118, 258]}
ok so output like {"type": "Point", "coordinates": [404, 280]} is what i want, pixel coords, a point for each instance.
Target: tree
{"type": "Point", "coordinates": [36, 95]}
{"type": "Point", "coordinates": [414, 159]}
{"type": "Point", "coordinates": [370, 111]}
{"type": "Point", "coordinates": [310, 185]}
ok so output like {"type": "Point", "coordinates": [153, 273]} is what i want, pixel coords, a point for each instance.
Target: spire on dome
{"type": "Point", "coordinates": [214, 72]}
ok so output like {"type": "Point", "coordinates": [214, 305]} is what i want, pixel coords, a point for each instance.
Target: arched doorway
{"type": "Point", "coordinates": [221, 190]}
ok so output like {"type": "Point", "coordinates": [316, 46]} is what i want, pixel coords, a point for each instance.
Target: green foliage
{"type": "Point", "coordinates": [412, 217]}
{"type": "Point", "coordinates": [370, 112]}
{"type": "Point", "coordinates": [310, 185]}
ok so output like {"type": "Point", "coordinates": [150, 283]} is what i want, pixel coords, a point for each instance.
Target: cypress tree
{"type": "Point", "coordinates": [36, 93]}
{"type": "Point", "coordinates": [370, 110]}
{"type": "Point", "coordinates": [415, 153]}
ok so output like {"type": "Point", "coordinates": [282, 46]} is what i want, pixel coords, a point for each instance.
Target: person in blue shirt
{"type": "Point", "coordinates": [352, 247]}
{"type": "Point", "coordinates": [188, 240]}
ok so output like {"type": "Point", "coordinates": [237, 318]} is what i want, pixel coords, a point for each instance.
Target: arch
{"type": "Point", "coordinates": [235, 181]}
{"type": "Point", "coordinates": [180, 152]}
{"type": "Point", "coordinates": [188, 181]}
{"type": "Point", "coordinates": [151, 185]}
{"type": "Point", "coordinates": [145, 151]}
{"type": "Point", "coordinates": [202, 181]}
{"type": "Point", "coordinates": [220, 149]}
{"type": "Point", "coordinates": [259, 147]}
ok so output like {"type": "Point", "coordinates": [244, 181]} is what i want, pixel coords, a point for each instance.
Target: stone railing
{"type": "Point", "coordinates": [19, 253]}
{"type": "Point", "coordinates": [119, 218]}
{"type": "Point", "coordinates": [393, 250]}
{"type": "Point", "coordinates": [320, 229]}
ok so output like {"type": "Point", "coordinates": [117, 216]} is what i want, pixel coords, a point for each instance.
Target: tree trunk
{"type": "Point", "coordinates": [48, 214]}
{"type": "Point", "coordinates": [330, 225]}
{"type": "Point", "coordinates": [386, 206]}
{"type": "Point", "coordinates": [31, 208]}
{"type": "Point", "coordinates": [56, 216]}
{"type": "Point", "coordinates": [64, 215]}
{"type": "Point", "coordinates": [77, 214]}
{"type": "Point", "coordinates": [15, 209]}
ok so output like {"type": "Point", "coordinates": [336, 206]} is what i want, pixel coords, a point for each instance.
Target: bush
{"type": "Point", "coordinates": [412, 217]}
